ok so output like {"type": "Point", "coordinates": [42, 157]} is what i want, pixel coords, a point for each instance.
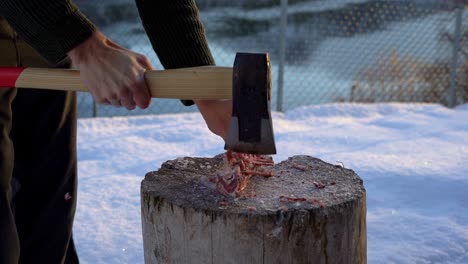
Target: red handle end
{"type": "Point", "coordinates": [9, 75]}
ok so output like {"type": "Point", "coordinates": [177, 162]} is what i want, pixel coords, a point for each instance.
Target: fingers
{"type": "Point", "coordinates": [141, 93]}
{"type": "Point", "coordinates": [115, 102]}
{"type": "Point", "coordinates": [126, 99]}
{"type": "Point", "coordinates": [132, 93]}
{"type": "Point", "coordinates": [145, 62]}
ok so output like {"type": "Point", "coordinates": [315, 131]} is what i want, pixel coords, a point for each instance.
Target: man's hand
{"type": "Point", "coordinates": [217, 114]}
{"type": "Point", "coordinates": [113, 74]}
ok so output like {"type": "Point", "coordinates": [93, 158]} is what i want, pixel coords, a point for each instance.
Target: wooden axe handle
{"type": "Point", "coordinates": [207, 82]}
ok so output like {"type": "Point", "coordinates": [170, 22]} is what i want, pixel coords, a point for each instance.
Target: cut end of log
{"type": "Point", "coordinates": [300, 182]}
{"type": "Point", "coordinates": [309, 211]}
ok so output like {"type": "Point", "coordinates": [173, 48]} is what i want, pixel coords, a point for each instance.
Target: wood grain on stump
{"type": "Point", "coordinates": [308, 212]}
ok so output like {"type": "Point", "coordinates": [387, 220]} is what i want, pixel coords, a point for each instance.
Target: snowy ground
{"type": "Point", "coordinates": [412, 158]}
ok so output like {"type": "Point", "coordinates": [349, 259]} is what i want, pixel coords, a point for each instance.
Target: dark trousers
{"type": "Point", "coordinates": [38, 165]}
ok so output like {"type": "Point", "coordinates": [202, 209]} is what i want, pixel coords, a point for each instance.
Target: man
{"type": "Point", "coordinates": [38, 127]}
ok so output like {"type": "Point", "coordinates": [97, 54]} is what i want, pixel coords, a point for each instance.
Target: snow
{"type": "Point", "coordinates": [412, 158]}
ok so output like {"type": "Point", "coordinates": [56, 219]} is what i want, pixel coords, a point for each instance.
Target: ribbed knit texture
{"type": "Point", "coordinates": [176, 33]}
{"type": "Point", "coordinates": [52, 27]}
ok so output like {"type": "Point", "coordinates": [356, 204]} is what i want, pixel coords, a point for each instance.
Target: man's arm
{"type": "Point", "coordinates": [52, 27]}
{"type": "Point", "coordinates": [179, 39]}
{"type": "Point", "coordinates": [56, 28]}
{"type": "Point", "coordinates": [176, 32]}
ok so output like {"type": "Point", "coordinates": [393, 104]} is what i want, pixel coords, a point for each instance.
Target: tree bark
{"type": "Point", "coordinates": [309, 211]}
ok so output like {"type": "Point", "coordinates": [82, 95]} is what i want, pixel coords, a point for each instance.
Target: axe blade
{"type": "Point", "coordinates": [251, 129]}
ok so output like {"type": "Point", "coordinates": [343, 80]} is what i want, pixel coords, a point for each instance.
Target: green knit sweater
{"type": "Point", "coordinates": [54, 27]}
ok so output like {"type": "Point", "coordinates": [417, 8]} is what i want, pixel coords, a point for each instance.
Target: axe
{"type": "Point", "coordinates": [247, 83]}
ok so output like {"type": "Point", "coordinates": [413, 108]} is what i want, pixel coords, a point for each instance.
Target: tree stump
{"type": "Point", "coordinates": [309, 211]}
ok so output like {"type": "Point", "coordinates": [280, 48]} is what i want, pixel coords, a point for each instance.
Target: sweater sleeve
{"type": "Point", "coordinates": [176, 33]}
{"type": "Point", "coordinates": [52, 27]}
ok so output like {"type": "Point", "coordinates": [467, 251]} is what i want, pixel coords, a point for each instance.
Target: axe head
{"type": "Point", "coordinates": [251, 129]}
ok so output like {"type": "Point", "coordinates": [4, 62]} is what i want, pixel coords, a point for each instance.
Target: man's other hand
{"type": "Point", "coordinates": [217, 115]}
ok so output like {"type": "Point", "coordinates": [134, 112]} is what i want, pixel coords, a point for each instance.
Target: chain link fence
{"type": "Point", "coordinates": [321, 51]}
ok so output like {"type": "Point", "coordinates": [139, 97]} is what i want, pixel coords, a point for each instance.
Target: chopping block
{"type": "Point", "coordinates": [309, 211]}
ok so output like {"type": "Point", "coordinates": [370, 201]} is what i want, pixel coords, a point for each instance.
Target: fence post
{"type": "Point", "coordinates": [282, 54]}
{"type": "Point", "coordinates": [456, 49]}
{"type": "Point", "coordinates": [94, 108]}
